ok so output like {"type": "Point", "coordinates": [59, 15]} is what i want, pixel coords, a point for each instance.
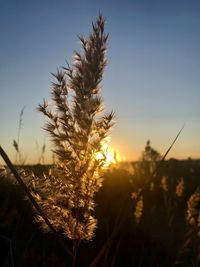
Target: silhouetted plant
{"type": "Point", "coordinates": [41, 152]}
{"type": "Point", "coordinates": [16, 143]}
{"type": "Point", "coordinates": [78, 132]}
{"type": "Point", "coordinates": [193, 220]}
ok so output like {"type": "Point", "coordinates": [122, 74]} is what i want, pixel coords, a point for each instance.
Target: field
{"type": "Point", "coordinates": [88, 208]}
{"type": "Point", "coordinates": [161, 237]}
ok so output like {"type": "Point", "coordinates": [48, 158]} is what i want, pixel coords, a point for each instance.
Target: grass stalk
{"type": "Point", "coordinates": [33, 201]}
{"type": "Point", "coordinates": [146, 184]}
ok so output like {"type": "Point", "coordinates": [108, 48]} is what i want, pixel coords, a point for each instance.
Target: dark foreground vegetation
{"type": "Point", "coordinates": [159, 236]}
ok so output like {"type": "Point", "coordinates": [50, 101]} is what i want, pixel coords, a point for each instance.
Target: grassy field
{"type": "Point", "coordinates": [161, 237]}
{"type": "Point", "coordinates": [79, 212]}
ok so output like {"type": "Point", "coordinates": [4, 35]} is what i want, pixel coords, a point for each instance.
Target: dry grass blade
{"type": "Point", "coordinates": [162, 159]}
{"type": "Point", "coordinates": [16, 143]}
{"type": "Point", "coordinates": [33, 201]}
{"type": "Point", "coordinates": [168, 150]}
{"type": "Point", "coordinates": [10, 248]}
{"type": "Point", "coordinates": [148, 181]}
{"type": "Point", "coordinates": [118, 224]}
{"type": "Point", "coordinates": [116, 229]}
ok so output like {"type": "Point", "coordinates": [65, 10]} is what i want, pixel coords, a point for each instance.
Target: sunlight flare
{"type": "Point", "coordinates": [108, 155]}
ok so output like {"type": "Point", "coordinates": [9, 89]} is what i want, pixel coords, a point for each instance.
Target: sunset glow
{"type": "Point", "coordinates": [99, 139]}
{"type": "Point", "coordinates": [148, 63]}
{"type": "Point", "coordinates": [109, 155]}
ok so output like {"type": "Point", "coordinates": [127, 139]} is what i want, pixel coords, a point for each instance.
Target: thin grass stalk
{"type": "Point", "coordinates": [10, 249]}
{"type": "Point", "coordinates": [75, 250]}
{"type": "Point", "coordinates": [146, 184]}
{"type": "Point", "coordinates": [16, 144]}
{"type": "Point", "coordinates": [33, 201]}
{"type": "Point", "coordinates": [117, 225]}
{"type": "Point", "coordinates": [119, 221]}
{"type": "Point", "coordinates": [115, 254]}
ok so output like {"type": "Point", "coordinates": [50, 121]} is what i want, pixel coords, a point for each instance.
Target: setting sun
{"type": "Point", "coordinates": [109, 155]}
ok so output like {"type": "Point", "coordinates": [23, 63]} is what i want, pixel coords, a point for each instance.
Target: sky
{"type": "Point", "coordinates": [151, 82]}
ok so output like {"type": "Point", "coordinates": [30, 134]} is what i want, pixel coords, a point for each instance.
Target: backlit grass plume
{"type": "Point", "coordinates": [78, 132]}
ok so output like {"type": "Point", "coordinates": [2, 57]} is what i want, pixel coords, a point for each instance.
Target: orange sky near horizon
{"type": "Point", "coordinates": [151, 81]}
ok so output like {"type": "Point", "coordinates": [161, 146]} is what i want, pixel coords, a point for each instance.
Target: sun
{"type": "Point", "coordinates": [108, 155]}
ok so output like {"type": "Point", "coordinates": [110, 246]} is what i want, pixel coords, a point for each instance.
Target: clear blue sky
{"type": "Point", "coordinates": [152, 81]}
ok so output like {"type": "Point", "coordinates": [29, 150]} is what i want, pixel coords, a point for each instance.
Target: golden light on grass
{"type": "Point", "coordinates": [109, 155]}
